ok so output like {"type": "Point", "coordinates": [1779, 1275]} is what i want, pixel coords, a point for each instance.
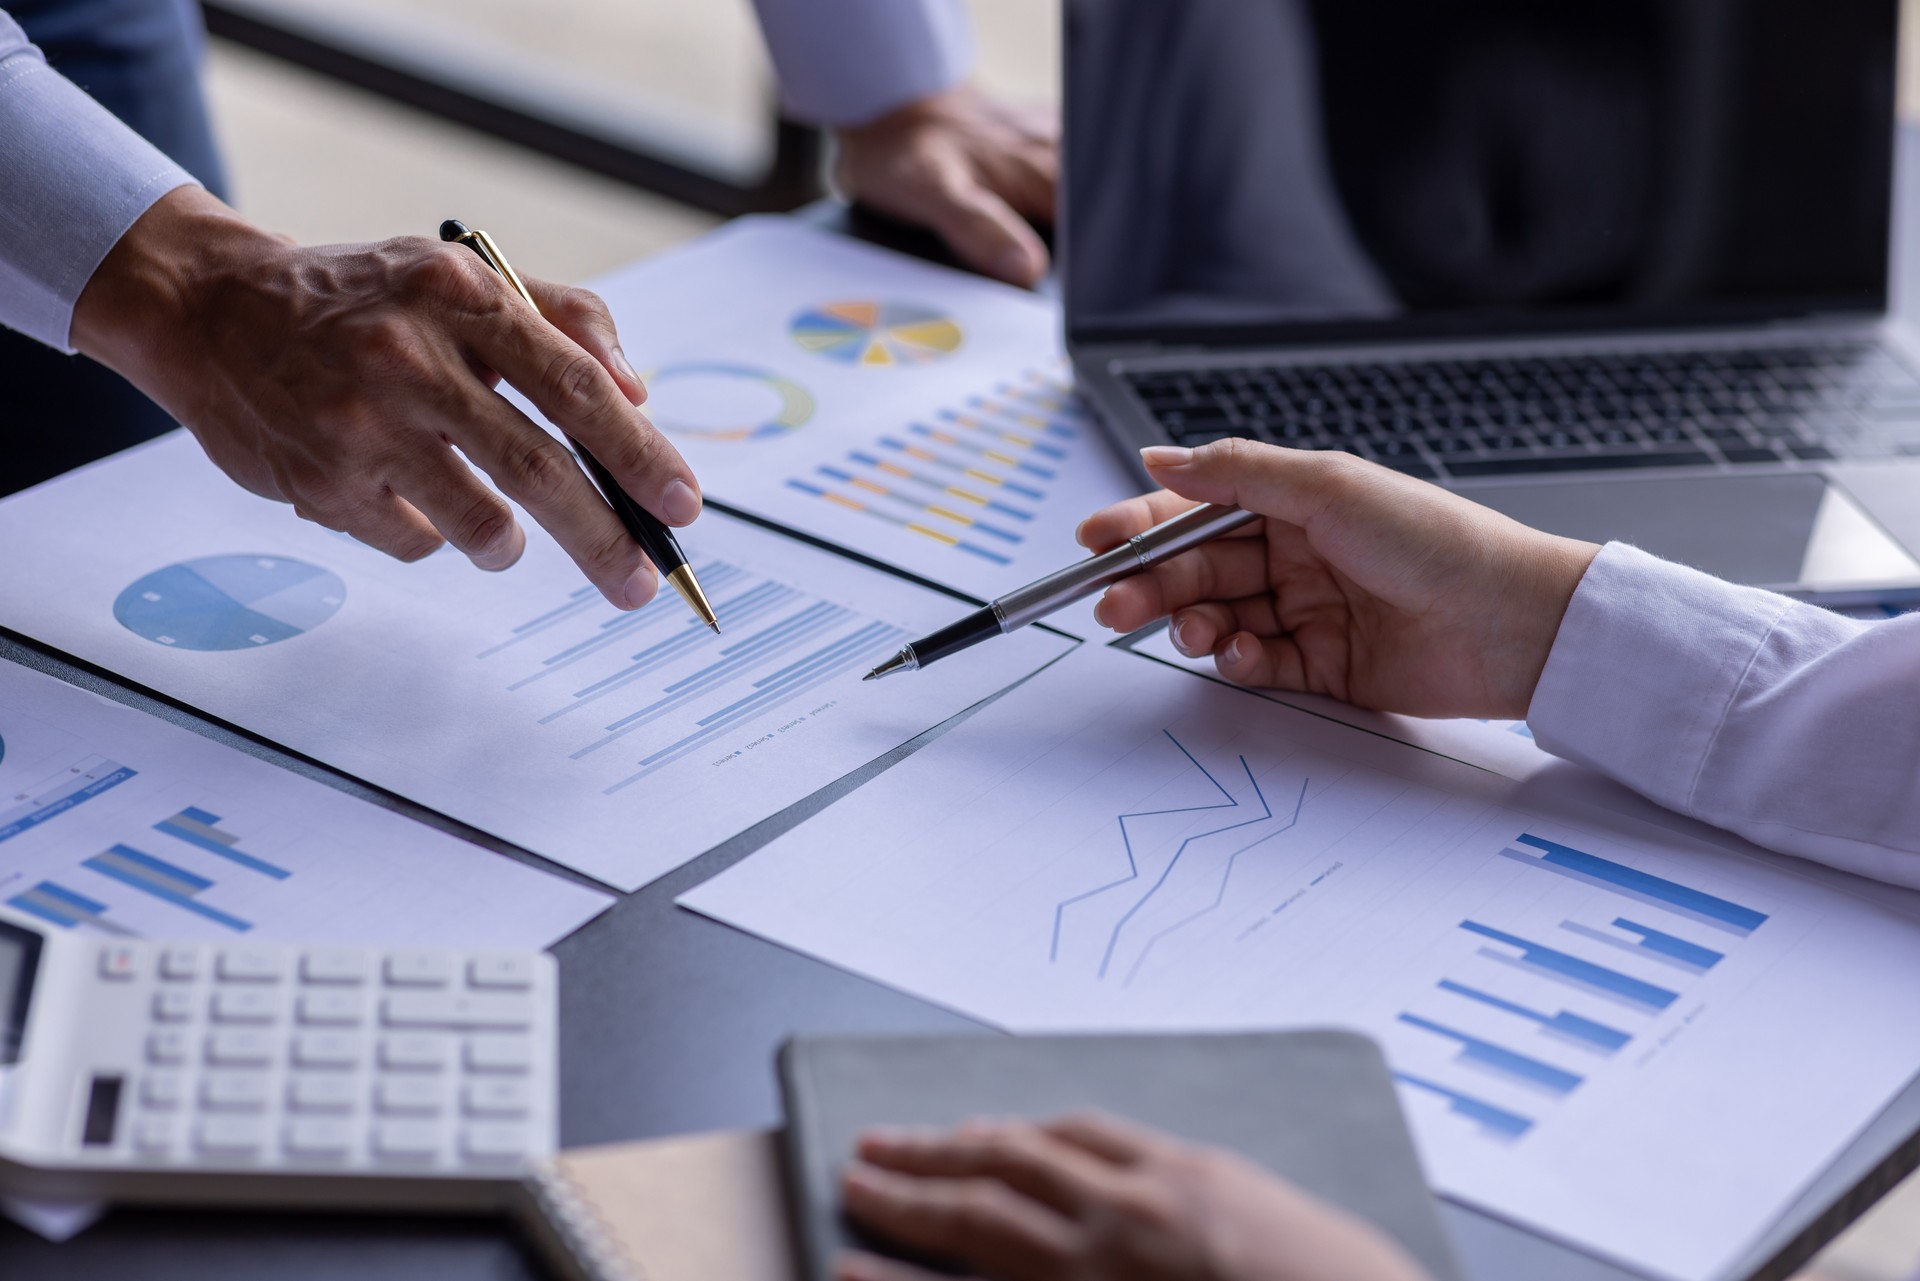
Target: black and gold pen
{"type": "Point", "coordinates": [647, 529]}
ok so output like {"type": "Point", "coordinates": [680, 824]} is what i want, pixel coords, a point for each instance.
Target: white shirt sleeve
{"type": "Point", "coordinates": [72, 180]}
{"type": "Point", "coordinates": [1786, 723]}
{"type": "Point", "coordinates": [846, 62]}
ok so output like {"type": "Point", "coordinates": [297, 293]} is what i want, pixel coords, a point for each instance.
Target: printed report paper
{"type": "Point", "coordinates": [1639, 1044]}
{"type": "Point", "coordinates": [619, 744]}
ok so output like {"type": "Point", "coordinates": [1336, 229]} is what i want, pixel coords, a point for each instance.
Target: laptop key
{"type": "Point", "coordinates": [1472, 467]}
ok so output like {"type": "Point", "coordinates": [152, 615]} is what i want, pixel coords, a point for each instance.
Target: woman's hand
{"type": "Point", "coordinates": [1094, 1199]}
{"type": "Point", "coordinates": [1362, 584]}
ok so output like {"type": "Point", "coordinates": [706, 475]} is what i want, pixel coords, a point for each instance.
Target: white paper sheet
{"type": "Point", "coordinates": [114, 822]}
{"type": "Point", "coordinates": [1636, 1043]}
{"type": "Point", "coordinates": [618, 744]}
{"type": "Point", "coordinates": [1505, 747]}
{"type": "Point", "coordinates": [962, 455]}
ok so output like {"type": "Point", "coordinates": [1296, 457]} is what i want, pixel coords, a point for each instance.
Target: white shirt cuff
{"type": "Point", "coordinates": [848, 62]}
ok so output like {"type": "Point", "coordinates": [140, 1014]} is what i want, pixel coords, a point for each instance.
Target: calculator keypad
{"type": "Point", "coordinates": [335, 1057]}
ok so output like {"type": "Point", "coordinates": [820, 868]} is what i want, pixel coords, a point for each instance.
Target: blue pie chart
{"type": "Point", "coordinates": [230, 602]}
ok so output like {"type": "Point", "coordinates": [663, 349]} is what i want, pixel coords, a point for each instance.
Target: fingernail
{"type": "Point", "coordinates": [1179, 630]}
{"type": "Point", "coordinates": [680, 505]}
{"type": "Point", "coordinates": [1016, 264]}
{"type": "Point", "coordinates": [1166, 456]}
{"type": "Point", "coordinates": [626, 368]}
{"type": "Point", "coordinates": [1235, 651]}
{"type": "Point", "coordinates": [641, 587]}
{"type": "Point", "coordinates": [1099, 613]}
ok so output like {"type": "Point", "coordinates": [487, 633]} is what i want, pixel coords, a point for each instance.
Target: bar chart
{"type": "Point", "coordinates": [641, 691]}
{"type": "Point", "coordinates": [1530, 1010]}
{"type": "Point", "coordinates": [970, 477]}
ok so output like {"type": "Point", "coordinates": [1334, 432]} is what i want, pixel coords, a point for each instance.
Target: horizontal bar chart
{"type": "Point", "coordinates": [1562, 1024]}
{"type": "Point", "coordinates": [1512, 1064]}
{"type": "Point", "coordinates": [1563, 967]}
{"type": "Point", "coordinates": [1650, 944]}
{"type": "Point", "coordinates": [199, 828]}
{"type": "Point", "coordinates": [163, 880]}
{"type": "Point", "coordinates": [1590, 869]}
{"type": "Point", "coordinates": [1496, 1121]}
{"type": "Point", "coordinates": [60, 906]}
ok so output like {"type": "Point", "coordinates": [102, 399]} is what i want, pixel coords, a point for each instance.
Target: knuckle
{"type": "Point", "coordinates": [485, 523]}
{"type": "Point", "coordinates": [574, 386]}
{"type": "Point", "coordinates": [438, 270]}
{"type": "Point", "coordinates": [415, 546]}
{"type": "Point", "coordinates": [539, 472]}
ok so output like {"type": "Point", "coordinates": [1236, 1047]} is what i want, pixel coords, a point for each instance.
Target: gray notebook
{"type": "Point", "coordinates": [1317, 1107]}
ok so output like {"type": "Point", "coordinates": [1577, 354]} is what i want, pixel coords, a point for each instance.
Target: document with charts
{"type": "Point", "coordinates": [910, 412]}
{"type": "Point", "coordinates": [619, 744]}
{"type": "Point", "coordinates": [117, 824]}
{"type": "Point", "coordinates": [1644, 1046]}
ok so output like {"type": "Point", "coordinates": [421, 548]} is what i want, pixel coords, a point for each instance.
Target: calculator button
{"type": "Point", "coordinates": [508, 970]}
{"type": "Point", "coordinates": [326, 1049]}
{"type": "Point", "coordinates": [249, 965]}
{"type": "Point", "coordinates": [235, 1134]}
{"type": "Point", "coordinates": [334, 965]}
{"type": "Point", "coordinates": [494, 1141]}
{"type": "Point", "coordinates": [172, 1005]}
{"type": "Point", "coordinates": [167, 1045]}
{"type": "Point", "coordinates": [319, 1136]}
{"type": "Point", "coordinates": [333, 1093]}
{"type": "Point", "coordinates": [153, 1133]}
{"type": "Point", "coordinates": [417, 1094]}
{"type": "Point", "coordinates": [503, 1097]}
{"type": "Point", "coordinates": [162, 1090]}
{"type": "Point", "coordinates": [339, 1009]}
{"type": "Point", "coordinates": [499, 1054]}
{"type": "Point", "coordinates": [419, 969]}
{"type": "Point", "coordinates": [118, 961]}
{"type": "Point", "coordinates": [456, 1010]}
{"type": "Point", "coordinates": [407, 1138]}
{"type": "Point", "coordinates": [246, 1005]}
{"type": "Point", "coordinates": [233, 1091]}
{"type": "Point", "coordinates": [414, 1052]}
{"type": "Point", "coordinates": [180, 963]}
{"type": "Point", "coordinates": [239, 1047]}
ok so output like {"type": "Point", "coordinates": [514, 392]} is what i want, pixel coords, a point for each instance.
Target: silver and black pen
{"type": "Point", "coordinates": [1057, 590]}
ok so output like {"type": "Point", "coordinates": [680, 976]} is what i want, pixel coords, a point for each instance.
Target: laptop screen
{"type": "Point", "coordinates": [1274, 171]}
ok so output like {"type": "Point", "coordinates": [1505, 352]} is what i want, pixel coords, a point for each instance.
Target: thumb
{"type": "Point", "coordinates": [1291, 485]}
{"type": "Point", "coordinates": [581, 315]}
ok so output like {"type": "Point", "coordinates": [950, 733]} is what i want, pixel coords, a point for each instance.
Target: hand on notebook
{"type": "Point", "coordinates": [1364, 584]}
{"type": "Point", "coordinates": [356, 382]}
{"type": "Point", "coordinates": [973, 169]}
{"type": "Point", "coordinates": [1095, 1199]}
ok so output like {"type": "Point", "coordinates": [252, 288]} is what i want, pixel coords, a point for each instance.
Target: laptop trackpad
{"type": "Point", "coordinates": [1779, 530]}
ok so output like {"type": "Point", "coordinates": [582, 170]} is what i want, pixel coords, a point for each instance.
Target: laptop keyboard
{"type": "Point", "coordinates": [1442, 419]}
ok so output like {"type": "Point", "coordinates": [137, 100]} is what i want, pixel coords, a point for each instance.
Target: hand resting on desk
{"type": "Point", "coordinates": [356, 382]}
{"type": "Point", "coordinates": [1091, 1198]}
{"type": "Point", "coordinates": [1363, 584]}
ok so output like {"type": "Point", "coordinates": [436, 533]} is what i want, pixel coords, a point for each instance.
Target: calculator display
{"type": "Point", "coordinates": [19, 963]}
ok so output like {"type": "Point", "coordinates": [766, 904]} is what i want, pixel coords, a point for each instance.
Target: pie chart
{"type": "Point", "coordinates": [229, 602]}
{"type": "Point", "coordinates": [875, 335]}
{"type": "Point", "coordinates": [710, 400]}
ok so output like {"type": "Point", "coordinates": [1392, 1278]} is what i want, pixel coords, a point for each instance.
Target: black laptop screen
{"type": "Point", "coordinates": [1282, 170]}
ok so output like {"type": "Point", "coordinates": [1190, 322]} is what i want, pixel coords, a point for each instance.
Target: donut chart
{"type": "Point", "coordinates": [712, 400]}
{"type": "Point", "coordinates": [876, 335]}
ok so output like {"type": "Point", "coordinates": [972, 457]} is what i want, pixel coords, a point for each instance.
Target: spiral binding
{"type": "Point", "coordinates": [595, 1249]}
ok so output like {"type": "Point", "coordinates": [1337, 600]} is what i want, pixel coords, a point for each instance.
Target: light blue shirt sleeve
{"type": "Point", "coordinates": [847, 62]}
{"type": "Point", "coordinates": [72, 180]}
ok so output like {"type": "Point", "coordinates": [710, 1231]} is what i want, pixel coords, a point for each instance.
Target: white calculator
{"type": "Point", "coordinates": [271, 1074]}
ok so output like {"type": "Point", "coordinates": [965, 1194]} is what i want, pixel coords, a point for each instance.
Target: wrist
{"type": "Point", "coordinates": [1555, 570]}
{"type": "Point", "coordinates": [155, 287]}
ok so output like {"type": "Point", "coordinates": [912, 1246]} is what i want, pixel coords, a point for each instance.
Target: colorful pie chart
{"type": "Point", "coordinates": [229, 602]}
{"type": "Point", "coordinates": [710, 400]}
{"type": "Point", "coordinates": [876, 335]}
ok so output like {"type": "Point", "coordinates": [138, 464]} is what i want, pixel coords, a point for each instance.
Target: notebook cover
{"type": "Point", "coordinates": [1317, 1107]}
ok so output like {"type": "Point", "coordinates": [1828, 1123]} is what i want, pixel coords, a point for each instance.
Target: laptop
{"type": "Point", "coordinates": [1618, 268]}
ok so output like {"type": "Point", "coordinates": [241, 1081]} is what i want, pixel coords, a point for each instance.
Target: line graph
{"type": "Point", "coordinates": [1248, 810]}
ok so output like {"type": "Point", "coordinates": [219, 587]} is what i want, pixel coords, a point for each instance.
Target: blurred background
{"type": "Point", "coordinates": [639, 124]}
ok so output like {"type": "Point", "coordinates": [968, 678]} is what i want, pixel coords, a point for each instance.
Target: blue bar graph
{"type": "Point", "coordinates": [1574, 972]}
{"type": "Point", "coordinates": [85, 782]}
{"type": "Point", "coordinates": [1520, 1067]}
{"type": "Point", "coordinates": [199, 828]}
{"type": "Point", "coordinates": [1565, 1024]}
{"type": "Point", "coordinates": [1651, 944]}
{"type": "Point", "coordinates": [1632, 883]}
{"type": "Point", "coordinates": [161, 879]}
{"type": "Point", "coordinates": [1497, 1121]}
{"type": "Point", "coordinates": [61, 906]}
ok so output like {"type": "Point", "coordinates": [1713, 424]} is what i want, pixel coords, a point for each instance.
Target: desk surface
{"type": "Point", "coordinates": [669, 1023]}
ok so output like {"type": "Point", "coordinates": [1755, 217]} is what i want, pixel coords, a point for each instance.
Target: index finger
{"type": "Point", "coordinates": [1019, 1154]}
{"type": "Point", "coordinates": [577, 394]}
{"type": "Point", "coordinates": [1107, 528]}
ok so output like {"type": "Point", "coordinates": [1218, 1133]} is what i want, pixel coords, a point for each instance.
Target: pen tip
{"type": "Point", "coordinates": [873, 675]}
{"type": "Point", "coordinates": [715, 624]}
